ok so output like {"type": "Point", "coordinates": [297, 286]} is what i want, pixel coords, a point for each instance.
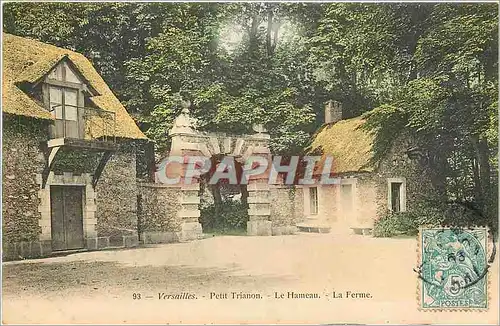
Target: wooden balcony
{"type": "Point", "coordinates": [84, 123]}
{"type": "Point", "coordinates": [83, 144]}
{"type": "Point", "coordinates": [81, 129]}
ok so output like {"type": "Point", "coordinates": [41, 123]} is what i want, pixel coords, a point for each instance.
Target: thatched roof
{"type": "Point", "coordinates": [26, 61]}
{"type": "Point", "coordinates": [348, 144]}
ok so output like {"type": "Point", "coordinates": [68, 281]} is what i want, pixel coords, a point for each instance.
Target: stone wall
{"type": "Point", "coordinates": [116, 195]}
{"type": "Point", "coordinates": [158, 213]}
{"type": "Point", "coordinates": [299, 204]}
{"type": "Point", "coordinates": [327, 203]}
{"type": "Point", "coordinates": [22, 160]}
{"type": "Point", "coordinates": [371, 191]}
{"type": "Point", "coordinates": [332, 212]}
{"type": "Point", "coordinates": [286, 208]}
{"type": "Point", "coordinates": [397, 164]}
{"type": "Point", "coordinates": [25, 203]}
{"type": "Point", "coordinates": [368, 202]}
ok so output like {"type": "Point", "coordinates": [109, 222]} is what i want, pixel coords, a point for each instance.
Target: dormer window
{"type": "Point", "coordinates": [65, 98]}
{"type": "Point", "coordinates": [69, 98]}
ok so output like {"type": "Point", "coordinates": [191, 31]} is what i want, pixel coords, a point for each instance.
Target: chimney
{"type": "Point", "coordinates": [333, 112]}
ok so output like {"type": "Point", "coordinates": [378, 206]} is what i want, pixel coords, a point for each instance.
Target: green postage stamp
{"type": "Point", "coordinates": [453, 268]}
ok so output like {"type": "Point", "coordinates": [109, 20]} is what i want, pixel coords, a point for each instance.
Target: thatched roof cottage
{"type": "Point", "coordinates": [69, 159]}
{"type": "Point", "coordinates": [367, 189]}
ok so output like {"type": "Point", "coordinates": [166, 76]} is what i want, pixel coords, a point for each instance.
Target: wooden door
{"type": "Point", "coordinates": [66, 204]}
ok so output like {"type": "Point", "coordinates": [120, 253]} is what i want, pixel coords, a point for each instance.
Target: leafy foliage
{"type": "Point", "coordinates": [233, 216]}
{"type": "Point", "coordinates": [448, 106]}
{"type": "Point", "coordinates": [426, 71]}
{"type": "Point", "coordinates": [430, 213]}
{"type": "Point", "coordinates": [433, 214]}
{"type": "Point", "coordinates": [395, 224]}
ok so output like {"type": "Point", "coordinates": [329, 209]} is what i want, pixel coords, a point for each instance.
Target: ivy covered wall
{"type": "Point", "coordinates": [22, 160]}
{"type": "Point", "coordinates": [159, 207]}
{"type": "Point", "coordinates": [117, 194]}
{"type": "Point", "coordinates": [419, 188]}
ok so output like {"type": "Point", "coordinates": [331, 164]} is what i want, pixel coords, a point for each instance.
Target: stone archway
{"type": "Point", "coordinates": [187, 141]}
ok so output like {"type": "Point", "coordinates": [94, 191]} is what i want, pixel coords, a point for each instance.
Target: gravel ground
{"type": "Point", "coordinates": [99, 287]}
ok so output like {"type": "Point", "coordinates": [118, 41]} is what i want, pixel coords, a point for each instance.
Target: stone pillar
{"type": "Point", "coordinates": [189, 213]}
{"type": "Point", "coordinates": [333, 112]}
{"type": "Point", "coordinates": [259, 210]}
{"type": "Point", "coordinates": [183, 131]}
{"type": "Point", "coordinates": [189, 198]}
{"type": "Point", "coordinates": [90, 220]}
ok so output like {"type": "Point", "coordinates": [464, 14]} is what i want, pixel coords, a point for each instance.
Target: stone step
{"type": "Point", "coordinates": [362, 230]}
{"type": "Point", "coordinates": [313, 228]}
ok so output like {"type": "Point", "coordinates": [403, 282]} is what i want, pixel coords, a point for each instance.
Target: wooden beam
{"type": "Point", "coordinates": [76, 143]}
{"type": "Point", "coordinates": [59, 83]}
{"type": "Point", "coordinates": [98, 171]}
{"type": "Point", "coordinates": [48, 164]}
{"type": "Point", "coordinates": [95, 145]}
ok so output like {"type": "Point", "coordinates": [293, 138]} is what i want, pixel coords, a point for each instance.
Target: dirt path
{"type": "Point", "coordinates": [100, 286]}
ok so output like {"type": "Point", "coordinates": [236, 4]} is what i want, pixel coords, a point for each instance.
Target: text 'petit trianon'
{"type": "Point", "coordinates": [234, 172]}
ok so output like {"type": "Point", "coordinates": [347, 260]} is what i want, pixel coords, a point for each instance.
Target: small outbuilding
{"type": "Point", "coordinates": [366, 190]}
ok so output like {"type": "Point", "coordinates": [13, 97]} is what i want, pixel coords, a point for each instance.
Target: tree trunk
{"type": "Point", "coordinates": [252, 37]}
{"type": "Point", "coordinates": [269, 45]}
{"type": "Point", "coordinates": [484, 165]}
{"type": "Point", "coordinates": [478, 194]}
{"type": "Point", "coordinates": [481, 170]}
{"type": "Point", "coordinates": [437, 167]}
{"type": "Point", "coordinates": [217, 204]}
{"type": "Point", "coordinates": [244, 195]}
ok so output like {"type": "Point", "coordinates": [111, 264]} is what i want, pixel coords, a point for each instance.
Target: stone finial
{"type": "Point", "coordinates": [333, 112]}
{"type": "Point", "coordinates": [261, 131]}
{"type": "Point", "coordinates": [185, 106]}
{"type": "Point", "coordinates": [184, 123]}
{"type": "Point", "coordinates": [259, 128]}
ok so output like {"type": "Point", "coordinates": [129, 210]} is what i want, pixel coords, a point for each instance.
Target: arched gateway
{"type": "Point", "coordinates": [187, 141]}
{"type": "Point", "coordinates": [170, 212]}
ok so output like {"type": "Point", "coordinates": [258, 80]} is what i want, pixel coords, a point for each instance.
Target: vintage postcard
{"type": "Point", "coordinates": [250, 163]}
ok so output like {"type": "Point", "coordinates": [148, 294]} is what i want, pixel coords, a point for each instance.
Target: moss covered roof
{"type": "Point", "coordinates": [349, 145]}
{"type": "Point", "coordinates": [26, 61]}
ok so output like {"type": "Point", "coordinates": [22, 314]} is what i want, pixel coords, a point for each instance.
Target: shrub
{"type": "Point", "coordinates": [393, 224]}
{"type": "Point", "coordinates": [233, 215]}
{"type": "Point", "coordinates": [408, 223]}
{"type": "Point", "coordinates": [458, 214]}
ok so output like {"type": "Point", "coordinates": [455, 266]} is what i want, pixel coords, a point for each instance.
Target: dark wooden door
{"type": "Point", "coordinates": [67, 217]}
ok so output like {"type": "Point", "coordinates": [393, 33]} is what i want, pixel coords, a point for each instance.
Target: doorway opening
{"type": "Point", "coordinates": [223, 206]}
{"type": "Point", "coordinates": [347, 210]}
{"type": "Point", "coordinates": [66, 206]}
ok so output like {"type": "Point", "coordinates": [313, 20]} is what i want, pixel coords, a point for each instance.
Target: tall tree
{"type": "Point", "coordinates": [429, 70]}
{"type": "Point", "coordinates": [450, 106]}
